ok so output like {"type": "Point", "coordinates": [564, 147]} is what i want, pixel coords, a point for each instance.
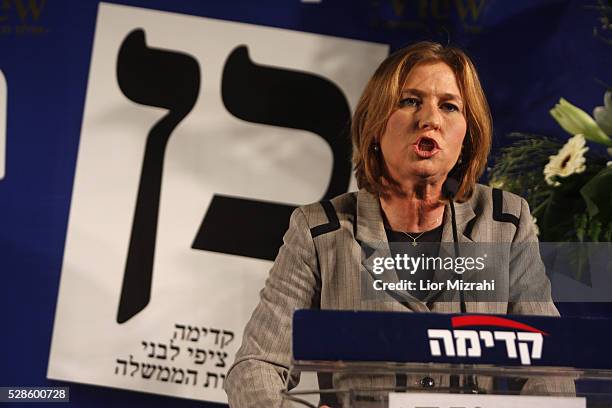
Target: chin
{"type": "Point", "coordinates": [426, 171]}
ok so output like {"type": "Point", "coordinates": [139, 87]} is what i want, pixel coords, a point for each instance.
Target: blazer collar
{"type": "Point", "coordinates": [464, 213]}
{"type": "Point", "coordinates": [370, 226]}
{"type": "Point", "coordinates": [370, 232]}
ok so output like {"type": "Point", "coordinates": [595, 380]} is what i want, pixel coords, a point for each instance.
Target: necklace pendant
{"type": "Point", "coordinates": [414, 239]}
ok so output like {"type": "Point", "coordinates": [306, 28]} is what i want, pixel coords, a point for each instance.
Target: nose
{"type": "Point", "coordinates": [429, 117]}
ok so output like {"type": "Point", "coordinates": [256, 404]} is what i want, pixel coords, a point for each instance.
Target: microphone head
{"type": "Point", "coordinates": [450, 187]}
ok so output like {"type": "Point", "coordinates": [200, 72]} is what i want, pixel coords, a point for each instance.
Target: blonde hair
{"type": "Point", "coordinates": [381, 98]}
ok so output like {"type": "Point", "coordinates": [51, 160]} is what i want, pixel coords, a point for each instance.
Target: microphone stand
{"type": "Point", "coordinates": [451, 186]}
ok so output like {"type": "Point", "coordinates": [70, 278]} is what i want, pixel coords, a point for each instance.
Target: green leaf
{"type": "Point", "coordinates": [597, 194]}
{"type": "Point", "coordinates": [580, 225]}
{"type": "Point", "coordinates": [518, 168]}
{"type": "Point", "coordinates": [557, 221]}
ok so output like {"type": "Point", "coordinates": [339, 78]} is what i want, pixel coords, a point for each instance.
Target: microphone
{"type": "Point", "coordinates": [449, 189]}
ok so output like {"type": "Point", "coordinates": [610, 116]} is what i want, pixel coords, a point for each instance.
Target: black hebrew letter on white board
{"type": "Point", "coordinates": [164, 79]}
{"type": "Point", "coordinates": [285, 98]}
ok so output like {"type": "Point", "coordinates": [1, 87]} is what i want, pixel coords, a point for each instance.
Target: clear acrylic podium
{"type": "Point", "coordinates": [374, 358]}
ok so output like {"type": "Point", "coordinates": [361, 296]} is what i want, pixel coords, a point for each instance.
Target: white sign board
{"type": "Point", "coordinates": [184, 336]}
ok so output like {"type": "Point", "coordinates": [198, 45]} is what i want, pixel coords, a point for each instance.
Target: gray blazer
{"type": "Point", "coordinates": [319, 266]}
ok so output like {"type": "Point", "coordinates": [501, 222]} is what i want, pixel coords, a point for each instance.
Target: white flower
{"type": "Point", "coordinates": [603, 114]}
{"type": "Point", "coordinates": [568, 161]}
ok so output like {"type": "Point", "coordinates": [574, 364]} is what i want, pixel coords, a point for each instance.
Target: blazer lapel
{"type": "Point", "coordinates": [464, 213]}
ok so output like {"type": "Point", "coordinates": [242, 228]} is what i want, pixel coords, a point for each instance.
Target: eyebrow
{"type": "Point", "coordinates": [446, 95]}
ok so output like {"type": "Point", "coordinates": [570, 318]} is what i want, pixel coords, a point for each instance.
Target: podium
{"type": "Point", "coordinates": [409, 360]}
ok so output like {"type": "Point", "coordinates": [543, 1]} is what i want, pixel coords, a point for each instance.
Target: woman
{"type": "Point", "coordinates": [422, 117]}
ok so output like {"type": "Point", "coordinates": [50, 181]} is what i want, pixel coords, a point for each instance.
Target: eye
{"type": "Point", "coordinates": [409, 102]}
{"type": "Point", "coordinates": [450, 107]}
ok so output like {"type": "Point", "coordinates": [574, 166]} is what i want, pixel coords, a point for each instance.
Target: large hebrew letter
{"type": "Point", "coordinates": [509, 338]}
{"type": "Point", "coordinates": [164, 79]}
{"type": "Point", "coordinates": [279, 97]}
{"type": "Point", "coordinates": [434, 344]}
{"type": "Point", "coordinates": [462, 336]}
{"type": "Point", "coordinates": [536, 340]}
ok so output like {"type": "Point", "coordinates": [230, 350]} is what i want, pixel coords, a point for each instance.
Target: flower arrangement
{"type": "Point", "coordinates": [568, 185]}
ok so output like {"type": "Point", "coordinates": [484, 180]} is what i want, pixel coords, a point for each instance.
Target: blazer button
{"type": "Point", "coordinates": [427, 382]}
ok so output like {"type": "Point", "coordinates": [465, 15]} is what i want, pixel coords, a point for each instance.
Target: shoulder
{"type": "Point", "coordinates": [494, 215]}
{"type": "Point", "coordinates": [504, 212]}
{"type": "Point", "coordinates": [504, 205]}
{"type": "Point", "coordinates": [327, 215]}
{"type": "Point", "coordinates": [486, 194]}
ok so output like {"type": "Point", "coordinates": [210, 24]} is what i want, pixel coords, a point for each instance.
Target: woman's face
{"type": "Point", "coordinates": [424, 134]}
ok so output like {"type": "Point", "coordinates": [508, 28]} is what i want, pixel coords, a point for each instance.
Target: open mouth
{"type": "Point", "coordinates": [426, 144]}
{"type": "Point", "coordinates": [426, 147]}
